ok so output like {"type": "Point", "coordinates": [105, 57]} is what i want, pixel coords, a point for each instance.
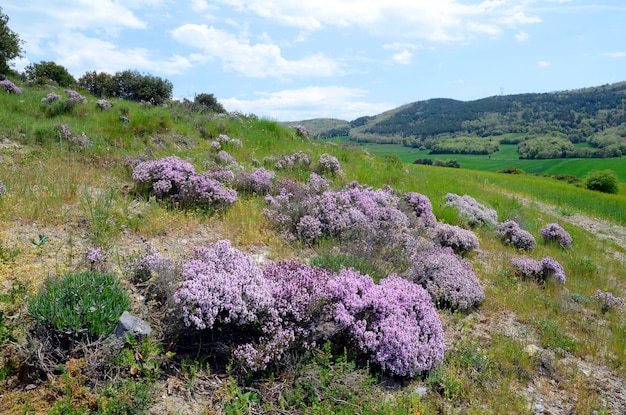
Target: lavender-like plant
{"type": "Point", "coordinates": [301, 131]}
{"type": "Point", "coordinates": [473, 212]}
{"type": "Point", "coordinates": [10, 87]}
{"type": "Point", "coordinates": [450, 280]}
{"type": "Point", "coordinates": [538, 270]}
{"type": "Point", "coordinates": [75, 96]}
{"type": "Point", "coordinates": [103, 104]}
{"type": "Point", "coordinates": [422, 207]}
{"type": "Point", "coordinates": [289, 161]}
{"type": "Point", "coordinates": [510, 233]}
{"type": "Point", "coordinates": [462, 241]}
{"type": "Point", "coordinates": [96, 258]}
{"type": "Point", "coordinates": [259, 182]}
{"type": "Point", "coordinates": [51, 97]}
{"type": "Point", "coordinates": [553, 232]}
{"type": "Point", "coordinates": [329, 164]}
{"type": "Point", "coordinates": [608, 301]}
{"type": "Point", "coordinates": [150, 264]}
{"type": "Point", "coordinates": [80, 142]}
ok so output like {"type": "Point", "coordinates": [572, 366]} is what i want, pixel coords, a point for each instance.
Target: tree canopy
{"type": "Point", "coordinates": [10, 44]}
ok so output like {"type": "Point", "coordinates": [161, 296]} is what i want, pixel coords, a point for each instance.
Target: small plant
{"type": "Point", "coordinates": [8, 254]}
{"type": "Point", "coordinates": [608, 301]}
{"type": "Point", "coordinates": [553, 337]}
{"type": "Point", "coordinates": [103, 104]}
{"type": "Point", "coordinates": [462, 241]}
{"type": "Point", "coordinates": [10, 87]}
{"type": "Point", "coordinates": [329, 164]}
{"type": "Point", "coordinates": [510, 233]}
{"type": "Point", "coordinates": [84, 305]}
{"type": "Point", "coordinates": [81, 142]}
{"type": "Point", "coordinates": [301, 131]}
{"type": "Point", "coordinates": [540, 271]}
{"type": "Point", "coordinates": [143, 358]}
{"type": "Point", "coordinates": [40, 241]}
{"type": "Point", "coordinates": [554, 233]}
{"type": "Point", "coordinates": [473, 212]}
{"type": "Point", "coordinates": [603, 181]}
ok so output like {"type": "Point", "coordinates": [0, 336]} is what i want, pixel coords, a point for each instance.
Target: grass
{"type": "Point", "coordinates": [86, 198]}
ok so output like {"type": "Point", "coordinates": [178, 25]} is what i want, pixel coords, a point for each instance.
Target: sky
{"type": "Point", "coordinates": [291, 60]}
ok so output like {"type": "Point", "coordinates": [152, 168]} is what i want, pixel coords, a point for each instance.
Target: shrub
{"type": "Point", "coordinates": [95, 258]}
{"type": "Point", "coordinates": [540, 271]}
{"type": "Point", "coordinates": [608, 301]}
{"type": "Point", "coordinates": [394, 322]}
{"type": "Point", "coordinates": [10, 87]}
{"type": "Point", "coordinates": [473, 212]}
{"type": "Point", "coordinates": [450, 280]}
{"type": "Point", "coordinates": [289, 161]}
{"type": "Point", "coordinates": [85, 305]}
{"type": "Point", "coordinates": [603, 181]}
{"type": "Point", "coordinates": [103, 104]}
{"type": "Point", "coordinates": [329, 164]}
{"type": "Point", "coordinates": [301, 131]}
{"type": "Point", "coordinates": [510, 233]}
{"type": "Point", "coordinates": [149, 264]}
{"type": "Point", "coordinates": [51, 97]}
{"type": "Point", "coordinates": [78, 142]}
{"type": "Point", "coordinates": [462, 241]}
{"type": "Point", "coordinates": [553, 232]}
{"type": "Point", "coordinates": [49, 71]}
{"type": "Point", "coordinates": [422, 208]}
{"type": "Point", "coordinates": [259, 182]}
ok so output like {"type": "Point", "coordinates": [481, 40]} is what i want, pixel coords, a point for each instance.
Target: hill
{"type": "Point", "coordinates": [243, 244]}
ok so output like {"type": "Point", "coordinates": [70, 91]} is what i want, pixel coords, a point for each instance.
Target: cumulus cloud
{"type": "Point", "coordinates": [258, 60]}
{"type": "Point", "coordinates": [522, 37]}
{"type": "Point", "coordinates": [305, 103]}
{"type": "Point", "coordinates": [404, 58]}
{"type": "Point", "coordinates": [615, 54]}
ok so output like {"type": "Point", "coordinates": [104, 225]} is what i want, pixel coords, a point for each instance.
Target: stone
{"type": "Point", "coordinates": [421, 391]}
{"type": "Point", "coordinates": [132, 325]}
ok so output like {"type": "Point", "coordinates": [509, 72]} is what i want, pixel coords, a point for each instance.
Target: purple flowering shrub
{"type": "Point", "coordinates": [149, 265]}
{"type": "Point", "coordinates": [608, 301]}
{"type": "Point", "coordinates": [553, 232]}
{"type": "Point", "coordinates": [95, 258]}
{"type": "Point", "coordinates": [103, 104]}
{"type": "Point", "coordinates": [301, 131]}
{"type": "Point", "coordinates": [450, 280]}
{"type": "Point", "coordinates": [75, 96]}
{"type": "Point", "coordinates": [176, 180]}
{"type": "Point", "coordinates": [462, 241]}
{"type": "Point", "coordinates": [78, 142]}
{"type": "Point", "coordinates": [394, 322]}
{"type": "Point", "coordinates": [260, 181]}
{"type": "Point", "coordinates": [510, 233]}
{"type": "Point", "coordinates": [298, 159]}
{"type": "Point", "coordinates": [51, 97]}
{"type": "Point", "coordinates": [10, 87]}
{"type": "Point", "coordinates": [422, 208]}
{"type": "Point", "coordinates": [329, 164]}
{"type": "Point", "coordinates": [540, 271]}
{"type": "Point", "coordinates": [471, 211]}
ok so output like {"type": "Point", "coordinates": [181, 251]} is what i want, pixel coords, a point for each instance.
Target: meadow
{"type": "Point", "coordinates": [529, 347]}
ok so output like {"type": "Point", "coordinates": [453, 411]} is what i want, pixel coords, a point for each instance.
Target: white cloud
{"type": "Point", "coordinates": [258, 60]}
{"type": "Point", "coordinates": [441, 20]}
{"type": "Point", "coordinates": [306, 103]}
{"type": "Point", "coordinates": [543, 64]}
{"type": "Point", "coordinates": [404, 58]}
{"type": "Point", "coordinates": [615, 54]}
{"type": "Point", "coordinates": [522, 37]}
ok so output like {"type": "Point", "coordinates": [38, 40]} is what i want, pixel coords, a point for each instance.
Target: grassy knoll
{"type": "Point", "coordinates": [527, 343]}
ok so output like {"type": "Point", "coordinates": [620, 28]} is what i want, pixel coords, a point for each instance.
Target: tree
{"type": "Point", "coordinates": [133, 86]}
{"type": "Point", "coordinates": [209, 101]}
{"type": "Point", "coordinates": [603, 181]}
{"type": "Point", "coordinates": [10, 44]}
{"type": "Point", "coordinates": [101, 85]}
{"type": "Point", "coordinates": [43, 71]}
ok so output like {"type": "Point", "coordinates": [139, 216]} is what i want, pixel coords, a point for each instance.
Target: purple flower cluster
{"type": "Point", "coordinates": [95, 258]}
{"type": "Point", "coordinates": [301, 131]}
{"type": "Point", "coordinates": [462, 241]}
{"type": "Point", "coordinates": [103, 104]}
{"type": "Point", "coordinates": [553, 232]}
{"type": "Point", "coordinates": [260, 182]}
{"type": "Point", "coordinates": [3, 189]}
{"type": "Point", "coordinates": [510, 233]}
{"type": "Point", "coordinates": [289, 161]}
{"type": "Point", "coordinates": [329, 164]}
{"type": "Point", "coordinates": [538, 270]}
{"type": "Point", "coordinates": [395, 322]}
{"type": "Point", "coordinates": [225, 139]}
{"type": "Point", "coordinates": [171, 178]}
{"type": "Point", "coordinates": [450, 280]}
{"type": "Point", "coordinates": [10, 87]}
{"type": "Point", "coordinates": [608, 301]}
{"type": "Point", "coordinates": [224, 158]}
{"type": "Point", "coordinates": [51, 97]}
{"type": "Point", "coordinates": [148, 264]}
{"type": "Point", "coordinates": [75, 96]}
{"type": "Point", "coordinates": [289, 306]}
{"type": "Point", "coordinates": [80, 142]}
{"type": "Point", "coordinates": [473, 212]}
{"type": "Point", "coordinates": [422, 207]}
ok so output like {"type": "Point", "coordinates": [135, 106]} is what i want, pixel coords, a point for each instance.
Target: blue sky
{"type": "Point", "coordinates": [292, 60]}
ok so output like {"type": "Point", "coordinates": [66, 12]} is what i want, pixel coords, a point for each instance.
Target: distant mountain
{"type": "Point", "coordinates": [582, 115]}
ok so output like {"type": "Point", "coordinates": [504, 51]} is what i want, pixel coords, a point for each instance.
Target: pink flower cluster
{"type": "Point", "coordinates": [75, 96]}
{"type": "Point", "coordinates": [608, 301]}
{"type": "Point", "coordinates": [80, 142]}
{"type": "Point", "coordinates": [462, 241]}
{"type": "Point", "coordinates": [301, 131]}
{"type": "Point", "coordinates": [422, 207]}
{"type": "Point", "coordinates": [329, 164]}
{"type": "Point", "coordinates": [510, 233]}
{"type": "Point", "coordinates": [260, 181]}
{"type": "Point", "coordinates": [538, 270]}
{"type": "Point", "coordinates": [150, 262]}
{"type": "Point", "coordinates": [450, 280]}
{"type": "Point", "coordinates": [473, 212]}
{"type": "Point", "coordinates": [95, 258]}
{"type": "Point", "coordinates": [173, 179]}
{"type": "Point", "coordinates": [289, 306]}
{"type": "Point", "coordinates": [289, 161]}
{"type": "Point", "coordinates": [51, 97]}
{"type": "Point", "coordinates": [10, 87]}
{"type": "Point", "coordinates": [103, 104]}
{"type": "Point", "coordinates": [553, 232]}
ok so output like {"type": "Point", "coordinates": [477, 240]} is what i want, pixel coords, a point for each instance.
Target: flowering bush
{"type": "Point", "coordinates": [462, 241]}
{"type": "Point", "coordinates": [450, 280]}
{"type": "Point", "coordinates": [301, 131]}
{"type": "Point", "coordinates": [394, 322]}
{"type": "Point", "coordinates": [173, 179]}
{"type": "Point", "coordinates": [149, 264]}
{"type": "Point", "coordinates": [260, 182]}
{"type": "Point", "coordinates": [10, 87]}
{"type": "Point", "coordinates": [538, 270]}
{"type": "Point", "coordinates": [473, 212]}
{"type": "Point", "coordinates": [608, 301]}
{"type": "Point", "coordinates": [103, 104]}
{"type": "Point", "coordinates": [329, 164]}
{"type": "Point", "coordinates": [95, 258]}
{"type": "Point", "coordinates": [289, 161]}
{"type": "Point", "coordinates": [422, 207]}
{"type": "Point", "coordinates": [51, 97]}
{"type": "Point", "coordinates": [79, 142]}
{"type": "Point", "coordinates": [553, 232]}
{"type": "Point", "coordinates": [510, 233]}
{"type": "Point", "coordinates": [75, 96]}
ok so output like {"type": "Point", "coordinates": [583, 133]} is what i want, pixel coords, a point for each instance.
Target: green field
{"type": "Point", "coordinates": [507, 157]}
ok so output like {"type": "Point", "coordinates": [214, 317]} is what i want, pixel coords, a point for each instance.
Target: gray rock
{"type": "Point", "coordinates": [421, 391]}
{"type": "Point", "coordinates": [135, 326]}
{"type": "Point", "coordinates": [539, 408]}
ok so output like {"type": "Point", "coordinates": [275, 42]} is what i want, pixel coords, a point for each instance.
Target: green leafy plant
{"type": "Point", "coordinates": [143, 358]}
{"type": "Point", "coordinates": [603, 181]}
{"type": "Point", "coordinates": [86, 304]}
